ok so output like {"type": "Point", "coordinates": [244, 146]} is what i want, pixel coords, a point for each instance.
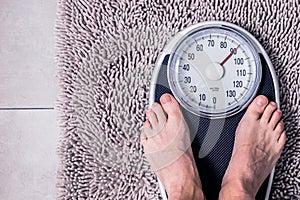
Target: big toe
{"type": "Point", "coordinates": [170, 105]}
{"type": "Point", "coordinates": [257, 107]}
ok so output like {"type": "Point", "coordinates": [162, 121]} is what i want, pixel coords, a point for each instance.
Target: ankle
{"type": "Point", "coordinates": [189, 191]}
{"type": "Point", "coordinates": [236, 190]}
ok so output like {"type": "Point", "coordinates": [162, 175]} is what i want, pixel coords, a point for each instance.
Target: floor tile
{"type": "Point", "coordinates": [27, 66]}
{"type": "Point", "coordinates": [28, 155]}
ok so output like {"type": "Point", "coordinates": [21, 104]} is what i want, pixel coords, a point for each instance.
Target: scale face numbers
{"type": "Point", "coordinates": [214, 71]}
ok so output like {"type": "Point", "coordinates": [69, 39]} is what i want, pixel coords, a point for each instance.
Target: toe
{"type": "Point", "coordinates": [147, 129]}
{"type": "Point", "coordinates": [160, 114]}
{"type": "Point", "coordinates": [170, 105]}
{"type": "Point", "coordinates": [143, 138]}
{"type": "Point", "coordinates": [266, 116]}
{"type": "Point", "coordinates": [275, 118]}
{"type": "Point", "coordinates": [257, 107]}
{"type": "Point", "coordinates": [151, 116]}
{"type": "Point", "coordinates": [279, 129]}
{"type": "Point", "coordinates": [281, 141]}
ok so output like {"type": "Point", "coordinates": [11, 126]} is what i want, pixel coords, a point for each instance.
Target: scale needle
{"type": "Point", "coordinates": [229, 56]}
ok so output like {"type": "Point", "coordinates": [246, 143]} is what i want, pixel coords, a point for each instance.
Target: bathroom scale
{"type": "Point", "coordinates": [214, 70]}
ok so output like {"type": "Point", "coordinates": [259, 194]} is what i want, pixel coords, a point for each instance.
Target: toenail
{"type": "Point", "coordinates": [261, 101]}
{"type": "Point", "coordinates": [147, 112]}
{"type": "Point", "coordinates": [154, 104]}
{"type": "Point", "coordinates": [273, 103]}
{"type": "Point", "coordinates": [279, 111]}
{"type": "Point", "coordinates": [166, 99]}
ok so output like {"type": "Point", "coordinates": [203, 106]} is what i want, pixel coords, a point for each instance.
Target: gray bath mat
{"type": "Point", "coordinates": [106, 55]}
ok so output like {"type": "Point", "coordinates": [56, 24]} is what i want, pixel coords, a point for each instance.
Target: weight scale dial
{"type": "Point", "coordinates": [214, 71]}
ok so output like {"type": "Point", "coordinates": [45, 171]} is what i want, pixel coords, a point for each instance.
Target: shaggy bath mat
{"type": "Point", "coordinates": [106, 54]}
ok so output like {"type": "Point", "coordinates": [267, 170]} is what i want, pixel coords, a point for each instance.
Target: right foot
{"type": "Point", "coordinates": [167, 147]}
{"type": "Point", "coordinates": [260, 138]}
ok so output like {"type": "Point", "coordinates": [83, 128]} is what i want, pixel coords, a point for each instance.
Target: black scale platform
{"type": "Point", "coordinates": [216, 135]}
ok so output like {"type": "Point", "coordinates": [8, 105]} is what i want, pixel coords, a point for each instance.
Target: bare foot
{"type": "Point", "coordinates": [167, 147]}
{"type": "Point", "coordinates": [260, 138]}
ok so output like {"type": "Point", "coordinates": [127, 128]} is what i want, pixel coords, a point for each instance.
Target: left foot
{"type": "Point", "coordinates": [260, 138]}
{"type": "Point", "coordinates": [167, 147]}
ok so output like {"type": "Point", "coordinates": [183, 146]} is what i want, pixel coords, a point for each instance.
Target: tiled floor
{"type": "Point", "coordinates": [28, 123]}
